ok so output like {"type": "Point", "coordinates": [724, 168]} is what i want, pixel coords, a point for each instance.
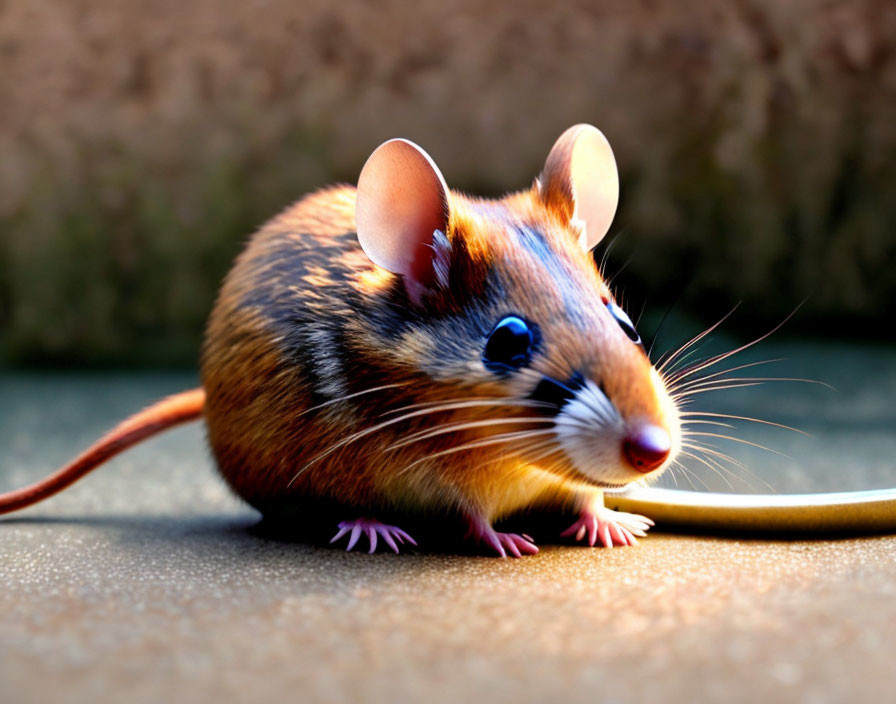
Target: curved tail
{"type": "Point", "coordinates": [171, 411]}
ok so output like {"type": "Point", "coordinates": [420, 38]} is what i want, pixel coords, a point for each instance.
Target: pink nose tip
{"type": "Point", "coordinates": [646, 447]}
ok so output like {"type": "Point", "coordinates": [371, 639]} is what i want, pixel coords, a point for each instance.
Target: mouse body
{"type": "Point", "coordinates": [399, 347]}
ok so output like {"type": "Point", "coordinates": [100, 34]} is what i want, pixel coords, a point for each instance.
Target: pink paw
{"type": "Point", "coordinates": [372, 528]}
{"type": "Point", "coordinates": [502, 543]}
{"type": "Point", "coordinates": [612, 527]}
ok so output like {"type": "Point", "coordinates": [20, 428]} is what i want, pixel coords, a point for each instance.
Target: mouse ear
{"type": "Point", "coordinates": [402, 202]}
{"type": "Point", "coordinates": [581, 182]}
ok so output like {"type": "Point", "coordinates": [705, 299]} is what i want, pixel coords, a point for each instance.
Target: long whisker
{"type": "Point", "coordinates": [603, 260]}
{"type": "Point", "coordinates": [716, 458]}
{"type": "Point", "coordinates": [538, 449]}
{"type": "Point", "coordinates": [685, 472]}
{"type": "Point", "coordinates": [694, 392]}
{"type": "Point", "coordinates": [694, 340]}
{"type": "Point", "coordinates": [459, 427]}
{"type": "Point", "coordinates": [672, 467]}
{"type": "Point", "coordinates": [669, 374]}
{"type": "Point", "coordinates": [472, 402]}
{"type": "Point", "coordinates": [706, 462]}
{"type": "Point", "coordinates": [620, 270]}
{"type": "Point", "coordinates": [641, 314]}
{"type": "Point", "coordinates": [714, 451]}
{"type": "Point", "coordinates": [486, 442]}
{"type": "Point", "coordinates": [701, 382]}
{"type": "Point", "coordinates": [740, 440]}
{"type": "Point", "coordinates": [722, 470]}
{"type": "Point", "coordinates": [670, 377]}
{"type": "Point", "coordinates": [690, 473]}
{"type": "Point", "coordinates": [535, 445]}
{"type": "Point", "coordinates": [341, 399]}
{"type": "Point", "coordinates": [357, 436]}
{"type": "Point", "coordinates": [694, 368]}
{"type": "Point", "coordinates": [724, 384]}
{"type": "Point", "coordinates": [708, 422]}
{"type": "Point", "coordinates": [746, 418]}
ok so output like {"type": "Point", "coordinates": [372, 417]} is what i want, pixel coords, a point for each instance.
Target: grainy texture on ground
{"type": "Point", "coordinates": [147, 581]}
{"type": "Point", "coordinates": [142, 143]}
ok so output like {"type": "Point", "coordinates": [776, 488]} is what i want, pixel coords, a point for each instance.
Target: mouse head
{"type": "Point", "coordinates": [505, 302]}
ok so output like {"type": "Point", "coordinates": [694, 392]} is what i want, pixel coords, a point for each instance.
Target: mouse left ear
{"type": "Point", "coordinates": [580, 181]}
{"type": "Point", "coordinates": [401, 214]}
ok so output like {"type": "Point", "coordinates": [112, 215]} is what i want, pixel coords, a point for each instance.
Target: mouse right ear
{"type": "Point", "coordinates": [580, 181]}
{"type": "Point", "coordinates": [402, 202]}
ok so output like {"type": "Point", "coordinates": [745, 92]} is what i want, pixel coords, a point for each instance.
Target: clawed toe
{"type": "Point", "coordinates": [391, 535]}
{"type": "Point", "coordinates": [516, 544]}
{"type": "Point", "coordinates": [504, 544]}
{"type": "Point", "coordinates": [609, 527]}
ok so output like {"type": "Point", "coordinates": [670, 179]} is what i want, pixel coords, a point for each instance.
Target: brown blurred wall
{"type": "Point", "coordinates": [141, 142]}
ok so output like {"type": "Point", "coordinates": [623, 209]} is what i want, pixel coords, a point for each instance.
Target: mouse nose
{"type": "Point", "coordinates": [646, 447]}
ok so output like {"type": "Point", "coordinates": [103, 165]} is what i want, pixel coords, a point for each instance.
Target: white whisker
{"type": "Point", "coordinates": [459, 427]}
{"type": "Point", "coordinates": [746, 418]}
{"type": "Point", "coordinates": [473, 402]}
{"type": "Point", "coordinates": [740, 440]}
{"type": "Point", "coordinates": [477, 444]}
{"type": "Point", "coordinates": [707, 464]}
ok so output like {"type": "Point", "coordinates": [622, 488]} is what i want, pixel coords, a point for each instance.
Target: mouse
{"type": "Point", "coordinates": [399, 348]}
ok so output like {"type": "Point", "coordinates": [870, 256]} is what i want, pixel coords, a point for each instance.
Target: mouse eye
{"type": "Point", "coordinates": [624, 322]}
{"type": "Point", "coordinates": [509, 344]}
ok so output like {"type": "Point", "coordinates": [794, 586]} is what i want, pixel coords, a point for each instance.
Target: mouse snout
{"type": "Point", "coordinates": [646, 447]}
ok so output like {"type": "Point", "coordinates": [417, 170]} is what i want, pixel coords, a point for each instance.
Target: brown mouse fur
{"type": "Point", "coordinates": [343, 361]}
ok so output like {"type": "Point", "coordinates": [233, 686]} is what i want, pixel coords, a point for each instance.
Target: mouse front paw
{"type": "Point", "coordinates": [373, 529]}
{"type": "Point", "coordinates": [609, 526]}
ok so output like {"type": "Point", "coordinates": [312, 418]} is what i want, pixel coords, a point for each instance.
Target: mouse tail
{"type": "Point", "coordinates": [173, 410]}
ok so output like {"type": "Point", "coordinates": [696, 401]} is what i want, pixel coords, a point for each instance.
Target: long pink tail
{"type": "Point", "coordinates": [174, 410]}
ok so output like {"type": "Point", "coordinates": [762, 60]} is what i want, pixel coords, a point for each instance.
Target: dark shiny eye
{"type": "Point", "coordinates": [509, 344]}
{"type": "Point", "coordinates": [624, 322]}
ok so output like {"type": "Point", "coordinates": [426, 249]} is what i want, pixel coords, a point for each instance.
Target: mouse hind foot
{"type": "Point", "coordinates": [504, 544]}
{"type": "Point", "coordinates": [373, 529]}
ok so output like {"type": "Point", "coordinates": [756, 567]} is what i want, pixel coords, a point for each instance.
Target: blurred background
{"type": "Point", "coordinates": [140, 146]}
{"type": "Point", "coordinates": [141, 143]}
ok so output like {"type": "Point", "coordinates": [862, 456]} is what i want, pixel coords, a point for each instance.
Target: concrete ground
{"type": "Point", "coordinates": [148, 582]}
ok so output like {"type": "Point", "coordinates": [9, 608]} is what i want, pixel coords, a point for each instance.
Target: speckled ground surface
{"type": "Point", "coordinates": [147, 582]}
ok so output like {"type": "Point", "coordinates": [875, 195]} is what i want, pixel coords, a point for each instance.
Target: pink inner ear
{"type": "Point", "coordinates": [595, 184]}
{"type": "Point", "coordinates": [427, 216]}
{"type": "Point", "coordinates": [402, 199]}
{"type": "Point", "coordinates": [580, 180]}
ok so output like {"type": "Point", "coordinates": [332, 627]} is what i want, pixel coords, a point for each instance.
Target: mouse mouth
{"type": "Point", "coordinates": [602, 448]}
{"type": "Point", "coordinates": [612, 487]}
